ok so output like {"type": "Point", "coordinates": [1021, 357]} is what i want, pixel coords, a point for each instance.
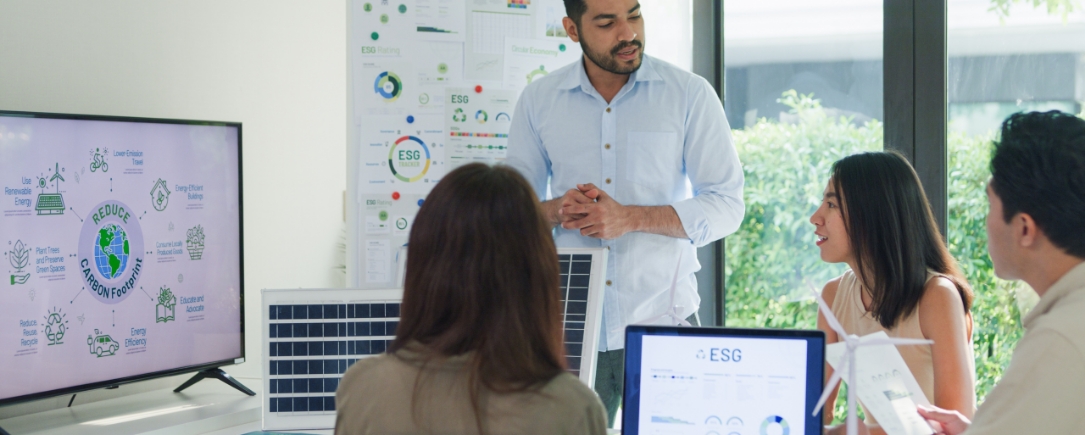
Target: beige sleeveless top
{"type": "Point", "coordinates": [854, 317]}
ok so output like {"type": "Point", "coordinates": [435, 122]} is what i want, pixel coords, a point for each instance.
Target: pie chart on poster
{"type": "Point", "coordinates": [775, 425]}
{"type": "Point", "coordinates": [388, 85]}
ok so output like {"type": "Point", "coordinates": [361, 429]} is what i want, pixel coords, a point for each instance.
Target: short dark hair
{"type": "Point", "coordinates": [893, 233]}
{"type": "Point", "coordinates": [482, 277]}
{"type": "Point", "coordinates": [575, 9]}
{"type": "Point", "coordinates": [1038, 168]}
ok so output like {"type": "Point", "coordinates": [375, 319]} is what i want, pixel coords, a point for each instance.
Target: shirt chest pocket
{"type": "Point", "coordinates": [654, 158]}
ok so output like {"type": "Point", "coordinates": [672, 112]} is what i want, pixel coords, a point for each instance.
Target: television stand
{"type": "Point", "coordinates": [215, 373]}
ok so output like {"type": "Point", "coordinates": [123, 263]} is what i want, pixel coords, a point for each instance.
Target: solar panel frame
{"type": "Point", "coordinates": [298, 333]}
{"type": "Point", "coordinates": [593, 309]}
{"type": "Point", "coordinates": [320, 337]}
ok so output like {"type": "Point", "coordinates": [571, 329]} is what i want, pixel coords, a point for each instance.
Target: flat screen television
{"type": "Point", "coordinates": [122, 251]}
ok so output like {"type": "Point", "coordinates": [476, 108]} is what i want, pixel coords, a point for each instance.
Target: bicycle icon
{"type": "Point", "coordinates": [99, 162]}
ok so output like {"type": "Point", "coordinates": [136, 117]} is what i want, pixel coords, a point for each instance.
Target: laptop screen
{"type": "Point", "coordinates": [721, 380]}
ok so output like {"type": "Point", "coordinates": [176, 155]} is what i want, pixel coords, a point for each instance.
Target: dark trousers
{"type": "Point", "coordinates": [610, 376]}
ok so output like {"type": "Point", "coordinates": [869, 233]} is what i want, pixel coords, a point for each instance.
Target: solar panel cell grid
{"type": "Point", "coordinates": [575, 278]}
{"type": "Point", "coordinates": [306, 347]}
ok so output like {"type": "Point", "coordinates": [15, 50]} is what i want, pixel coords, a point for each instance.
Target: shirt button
{"type": "Point", "coordinates": [608, 282]}
{"type": "Point", "coordinates": [607, 146]}
{"type": "Point", "coordinates": [608, 181]}
{"type": "Point", "coordinates": [608, 110]}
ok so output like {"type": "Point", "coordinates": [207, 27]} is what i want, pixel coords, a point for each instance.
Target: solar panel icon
{"type": "Point", "coordinates": [582, 282]}
{"type": "Point", "coordinates": [51, 203]}
{"type": "Point", "coordinates": [311, 337]}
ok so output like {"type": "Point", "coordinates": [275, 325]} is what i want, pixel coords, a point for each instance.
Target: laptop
{"type": "Point", "coordinates": [723, 381]}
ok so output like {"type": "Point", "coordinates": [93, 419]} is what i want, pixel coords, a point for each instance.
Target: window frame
{"type": "Point", "coordinates": [915, 81]}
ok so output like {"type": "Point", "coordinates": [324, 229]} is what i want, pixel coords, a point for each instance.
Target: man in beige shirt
{"type": "Point", "coordinates": [1036, 233]}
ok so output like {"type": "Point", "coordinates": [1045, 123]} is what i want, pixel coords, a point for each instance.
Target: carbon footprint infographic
{"type": "Point", "coordinates": [120, 249]}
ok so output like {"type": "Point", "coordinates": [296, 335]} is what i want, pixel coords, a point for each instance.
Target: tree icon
{"type": "Point", "coordinates": [19, 258]}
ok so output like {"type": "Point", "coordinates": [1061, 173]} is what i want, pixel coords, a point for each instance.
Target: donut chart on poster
{"type": "Point", "coordinates": [409, 159]}
{"type": "Point", "coordinates": [388, 85]}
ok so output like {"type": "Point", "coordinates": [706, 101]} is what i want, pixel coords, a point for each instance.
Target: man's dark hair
{"type": "Point", "coordinates": [1038, 168]}
{"type": "Point", "coordinates": [575, 9]}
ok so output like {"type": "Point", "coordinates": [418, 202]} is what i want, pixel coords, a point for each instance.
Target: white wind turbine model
{"type": "Point", "coordinates": [847, 361]}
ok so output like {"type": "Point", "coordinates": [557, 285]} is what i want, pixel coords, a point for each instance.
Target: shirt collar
{"type": "Point", "coordinates": [578, 77]}
{"type": "Point", "coordinates": [1071, 281]}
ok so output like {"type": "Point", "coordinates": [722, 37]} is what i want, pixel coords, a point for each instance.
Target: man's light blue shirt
{"type": "Point", "coordinates": [663, 135]}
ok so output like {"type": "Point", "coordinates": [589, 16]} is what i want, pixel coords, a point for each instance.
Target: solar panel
{"type": "Point", "coordinates": [583, 271]}
{"type": "Point", "coordinates": [310, 339]}
{"type": "Point", "coordinates": [50, 203]}
{"type": "Point", "coordinates": [312, 336]}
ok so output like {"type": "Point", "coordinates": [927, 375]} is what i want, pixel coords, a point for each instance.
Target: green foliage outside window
{"type": "Point", "coordinates": [1061, 8]}
{"type": "Point", "coordinates": [772, 261]}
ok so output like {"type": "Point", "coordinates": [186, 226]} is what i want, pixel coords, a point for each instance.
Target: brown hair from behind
{"type": "Point", "coordinates": [482, 276]}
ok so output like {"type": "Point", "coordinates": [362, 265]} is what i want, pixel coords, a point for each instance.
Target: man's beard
{"type": "Point", "coordinates": [609, 63]}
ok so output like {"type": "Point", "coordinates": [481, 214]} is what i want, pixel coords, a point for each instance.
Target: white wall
{"type": "Point", "coordinates": [276, 66]}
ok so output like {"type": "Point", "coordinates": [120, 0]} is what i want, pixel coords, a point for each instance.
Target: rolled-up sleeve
{"type": "Point", "coordinates": [713, 168]}
{"type": "Point", "coordinates": [526, 153]}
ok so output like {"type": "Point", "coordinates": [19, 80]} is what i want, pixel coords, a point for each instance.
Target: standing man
{"type": "Point", "coordinates": [620, 139]}
{"type": "Point", "coordinates": [1036, 233]}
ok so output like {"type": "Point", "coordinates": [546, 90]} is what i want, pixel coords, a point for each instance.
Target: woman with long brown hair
{"type": "Point", "coordinates": [875, 217]}
{"type": "Point", "coordinates": [479, 344]}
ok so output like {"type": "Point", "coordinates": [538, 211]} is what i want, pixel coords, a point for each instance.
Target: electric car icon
{"type": "Point", "coordinates": [102, 344]}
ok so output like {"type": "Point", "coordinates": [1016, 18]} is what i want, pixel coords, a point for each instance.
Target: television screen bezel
{"type": "Point", "coordinates": [241, 256]}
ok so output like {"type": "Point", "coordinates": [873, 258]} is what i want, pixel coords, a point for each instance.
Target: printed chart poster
{"type": "Point", "coordinates": [698, 385]}
{"type": "Point", "coordinates": [489, 22]}
{"type": "Point", "coordinates": [388, 220]}
{"type": "Point", "coordinates": [381, 28]}
{"type": "Point", "coordinates": [529, 59]}
{"type": "Point", "coordinates": [400, 156]}
{"type": "Point", "coordinates": [441, 20]}
{"type": "Point", "coordinates": [478, 125]}
{"type": "Point", "coordinates": [885, 386]}
{"type": "Point", "coordinates": [121, 250]}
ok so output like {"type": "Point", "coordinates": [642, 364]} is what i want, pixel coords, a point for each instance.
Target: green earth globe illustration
{"type": "Point", "coordinates": [111, 251]}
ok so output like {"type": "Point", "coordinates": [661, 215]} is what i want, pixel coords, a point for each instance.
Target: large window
{"type": "Point", "coordinates": [803, 89]}
{"type": "Point", "coordinates": [1003, 58]}
{"type": "Point", "coordinates": [669, 31]}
